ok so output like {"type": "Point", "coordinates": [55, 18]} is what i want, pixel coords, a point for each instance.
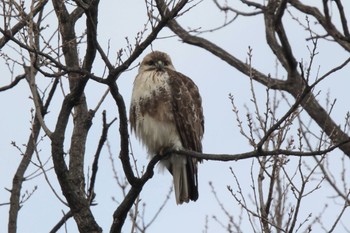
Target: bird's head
{"type": "Point", "coordinates": [156, 61]}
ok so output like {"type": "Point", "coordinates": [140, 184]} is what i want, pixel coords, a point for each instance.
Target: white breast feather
{"type": "Point", "coordinates": [154, 134]}
{"type": "Point", "coordinates": [146, 82]}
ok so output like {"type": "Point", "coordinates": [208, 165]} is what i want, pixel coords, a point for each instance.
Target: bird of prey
{"type": "Point", "coordinates": [166, 114]}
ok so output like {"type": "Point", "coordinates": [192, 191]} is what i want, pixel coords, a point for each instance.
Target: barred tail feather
{"type": "Point", "coordinates": [184, 173]}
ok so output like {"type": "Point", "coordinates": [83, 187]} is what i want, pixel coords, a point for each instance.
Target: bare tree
{"type": "Point", "coordinates": [44, 45]}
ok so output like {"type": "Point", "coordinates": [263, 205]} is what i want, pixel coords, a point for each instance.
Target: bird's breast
{"type": "Point", "coordinates": [151, 105]}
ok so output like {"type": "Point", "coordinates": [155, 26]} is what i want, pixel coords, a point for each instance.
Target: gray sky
{"type": "Point", "coordinates": [215, 80]}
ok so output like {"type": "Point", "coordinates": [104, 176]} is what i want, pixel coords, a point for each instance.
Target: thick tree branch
{"type": "Point", "coordinates": [91, 25]}
{"type": "Point", "coordinates": [72, 180]}
{"type": "Point", "coordinates": [326, 24]}
{"type": "Point", "coordinates": [273, 26]}
{"type": "Point", "coordinates": [91, 192]}
{"type": "Point", "coordinates": [78, 202]}
{"type": "Point", "coordinates": [343, 19]}
{"type": "Point", "coordinates": [124, 134]}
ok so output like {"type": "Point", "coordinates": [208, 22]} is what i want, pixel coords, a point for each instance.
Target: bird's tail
{"type": "Point", "coordinates": [184, 171]}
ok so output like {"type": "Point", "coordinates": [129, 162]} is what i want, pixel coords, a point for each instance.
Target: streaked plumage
{"type": "Point", "coordinates": [166, 113]}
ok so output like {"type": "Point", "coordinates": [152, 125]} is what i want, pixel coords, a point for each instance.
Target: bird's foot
{"type": "Point", "coordinates": [166, 151]}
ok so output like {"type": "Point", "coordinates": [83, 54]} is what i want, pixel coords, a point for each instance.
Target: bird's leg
{"type": "Point", "coordinates": [165, 153]}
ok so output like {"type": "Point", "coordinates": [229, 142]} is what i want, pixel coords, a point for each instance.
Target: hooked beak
{"type": "Point", "coordinates": [159, 65]}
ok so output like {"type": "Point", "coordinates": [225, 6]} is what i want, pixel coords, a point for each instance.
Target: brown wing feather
{"type": "Point", "coordinates": [187, 110]}
{"type": "Point", "coordinates": [188, 114]}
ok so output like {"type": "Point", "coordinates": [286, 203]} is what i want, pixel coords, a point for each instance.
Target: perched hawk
{"type": "Point", "coordinates": [166, 113]}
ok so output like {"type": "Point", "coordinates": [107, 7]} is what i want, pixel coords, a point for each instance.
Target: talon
{"type": "Point", "coordinates": [165, 151]}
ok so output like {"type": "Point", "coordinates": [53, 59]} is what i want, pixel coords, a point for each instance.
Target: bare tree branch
{"type": "Point", "coordinates": [13, 83]}
{"type": "Point", "coordinates": [9, 33]}
{"type": "Point", "coordinates": [255, 153]}
{"type": "Point", "coordinates": [326, 24]}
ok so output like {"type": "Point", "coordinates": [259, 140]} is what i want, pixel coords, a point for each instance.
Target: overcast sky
{"type": "Point", "coordinates": [215, 79]}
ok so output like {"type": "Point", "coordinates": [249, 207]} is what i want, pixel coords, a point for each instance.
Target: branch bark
{"type": "Point", "coordinates": [342, 40]}
{"type": "Point", "coordinates": [255, 153]}
{"type": "Point", "coordinates": [72, 180]}
{"type": "Point", "coordinates": [18, 178]}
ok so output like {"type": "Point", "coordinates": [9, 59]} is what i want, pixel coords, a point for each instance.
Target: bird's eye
{"type": "Point", "coordinates": [150, 63]}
